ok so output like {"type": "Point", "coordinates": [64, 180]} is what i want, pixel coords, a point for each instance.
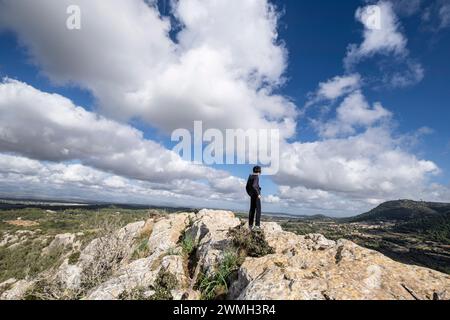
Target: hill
{"type": "Point", "coordinates": [403, 210]}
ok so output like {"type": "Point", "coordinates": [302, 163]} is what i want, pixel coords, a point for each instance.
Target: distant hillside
{"type": "Point", "coordinates": [404, 210]}
{"type": "Point", "coordinates": [430, 220]}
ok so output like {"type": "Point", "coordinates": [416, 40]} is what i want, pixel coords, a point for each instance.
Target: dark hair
{"type": "Point", "coordinates": [257, 169]}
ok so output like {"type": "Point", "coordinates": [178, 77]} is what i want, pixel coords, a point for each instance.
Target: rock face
{"type": "Point", "coordinates": [313, 267]}
{"type": "Point", "coordinates": [300, 267]}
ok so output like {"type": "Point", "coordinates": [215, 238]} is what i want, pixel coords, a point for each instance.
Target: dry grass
{"type": "Point", "coordinates": [22, 223]}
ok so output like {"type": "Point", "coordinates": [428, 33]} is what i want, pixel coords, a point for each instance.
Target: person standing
{"type": "Point", "coordinates": [254, 191]}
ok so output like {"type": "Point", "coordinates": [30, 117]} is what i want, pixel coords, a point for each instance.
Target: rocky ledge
{"type": "Point", "coordinates": [211, 255]}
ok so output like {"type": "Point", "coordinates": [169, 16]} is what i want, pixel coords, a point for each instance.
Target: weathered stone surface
{"type": "Point", "coordinates": [61, 242]}
{"type": "Point", "coordinates": [69, 275]}
{"type": "Point", "coordinates": [139, 273]}
{"type": "Point", "coordinates": [5, 285]}
{"type": "Point", "coordinates": [136, 274]}
{"type": "Point", "coordinates": [210, 230]}
{"type": "Point", "coordinates": [17, 290]}
{"type": "Point", "coordinates": [166, 232]}
{"type": "Point", "coordinates": [316, 269]}
{"type": "Point", "coordinates": [122, 239]}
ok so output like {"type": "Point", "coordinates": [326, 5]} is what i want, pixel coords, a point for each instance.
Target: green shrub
{"type": "Point", "coordinates": [252, 242]}
{"type": "Point", "coordinates": [142, 250]}
{"type": "Point", "coordinates": [188, 244]}
{"type": "Point", "coordinates": [215, 285]}
{"type": "Point", "coordinates": [137, 293]}
{"type": "Point", "coordinates": [74, 257]}
{"type": "Point", "coordinates": [164, 284]}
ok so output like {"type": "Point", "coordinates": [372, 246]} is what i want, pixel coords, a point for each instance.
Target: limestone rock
{"type": "Point", "coordinates": [61, 242]}
{"type": "Point", "coordinates": [166, 232]}
{"type": "Point", "coordinates": [17, 290]}
{"type": "Point", "coordinates": [210, 230]}
{"type": "Point", "coordinates": [139, 273]}
{"type": "Point", "coordinates": [69, 275]}
{"type": "Point", "coordinates": [316, 268]}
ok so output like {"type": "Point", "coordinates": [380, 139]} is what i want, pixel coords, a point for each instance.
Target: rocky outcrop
{"type": "Point", "coordinates": [313, 267]}
{"type": "Point", "coordinates": [298, 267]}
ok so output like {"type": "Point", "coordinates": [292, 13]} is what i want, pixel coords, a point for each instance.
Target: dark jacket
{"type": "Point", "coordinates": [252, 186]}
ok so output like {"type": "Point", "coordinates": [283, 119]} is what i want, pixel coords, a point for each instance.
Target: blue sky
{"type": "Point", "coordinates": [366, 143]}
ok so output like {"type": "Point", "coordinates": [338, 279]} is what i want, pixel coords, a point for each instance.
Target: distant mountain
{"type": "Point", "coordinates": [430, 220]}
{"type": "Point", "coordinates": [404, 210]}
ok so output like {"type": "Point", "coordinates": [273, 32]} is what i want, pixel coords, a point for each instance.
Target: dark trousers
{"type": "Point", "coordinates": [255, 209]}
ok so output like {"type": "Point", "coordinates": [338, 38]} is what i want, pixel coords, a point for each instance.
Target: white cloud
{"type": "Point", "coordinates": [444, 15]}
{"type": "Point", "coordinates": [384, 40]}
{"type": "Point", "coordinates": [388, 44]}
{"type": "Point", "coordinates": [75, 181]}
{"type": "Point", "coordinates": [353, 113]}
{"type": "Point", "coordinates": [245, 30]}
{"type": "Point", "coordinates": [49, 127]}
{"type": "Point", "coordinates": [370, 165]}
{"type": "Point", "coordinates": [271, 199]}
{"type": "Point", "coordinates": [222, 70]}
{"type": "Point", "coordinates": [412, 74]}
{"type": "Point", "coordinates": [334, 88]}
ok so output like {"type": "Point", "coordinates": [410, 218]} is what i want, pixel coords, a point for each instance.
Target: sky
{"type": "Point", "coordinates": [357, 90]}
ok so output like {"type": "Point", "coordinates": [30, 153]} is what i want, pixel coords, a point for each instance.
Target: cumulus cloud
{"type": "Point", "coordinates": [369, 165]}
{"type": "Point", "coordinates": [76, 181]}
{"type": "Point", "coordinates": [222, 68]}
{"type": "Point", "coordinates": [383, 41]}
{"type": "Point", "coordinates": [444, 15]}
{"type": "Point", "coordinates": [353, 113]}
{"type": "Point", "coordinates": [49, 127]}
{"type": "Point", "coordinates": [334, 88]}
{"type": "Point", "coordinates": [387, 39]}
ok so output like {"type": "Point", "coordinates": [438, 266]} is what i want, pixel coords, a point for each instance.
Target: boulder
{"type": "Point", "coordinates": [139, 273]}
{"type": "Point", "coordinates": [210, 231]}
{"type": "Point", "coordinates": [62, 242]}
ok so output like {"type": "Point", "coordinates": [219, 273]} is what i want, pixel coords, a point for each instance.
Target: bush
{"type": "Point", "coordinates": [215, 285]}
{"type": "Point", "coordinates": [164, 284]}
{"type": "Point", "coordinates": [73, 258]}
{"type": "Point", "coordinates": [51, 289]}
{"type": "Point", "coordinates": [137, 293]}
{"type": "Point", "coordinates": [252, 242]}
{"type": "Point", "coordinates": [108, 252]}
{"type": "Point", "coordinates": [188, 245]}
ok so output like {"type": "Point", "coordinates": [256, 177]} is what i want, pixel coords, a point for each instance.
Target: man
{"type": "Point", "coordinates": [254, 191]}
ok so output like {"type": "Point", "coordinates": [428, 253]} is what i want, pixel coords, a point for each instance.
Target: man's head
{"type": "Point", "coordinates": [257, 170]}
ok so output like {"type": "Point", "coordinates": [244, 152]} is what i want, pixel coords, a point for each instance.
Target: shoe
{"type": "Point", "coordinates": [250, 227]}
{"type": "Point", "coordinates": [257, 228]}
